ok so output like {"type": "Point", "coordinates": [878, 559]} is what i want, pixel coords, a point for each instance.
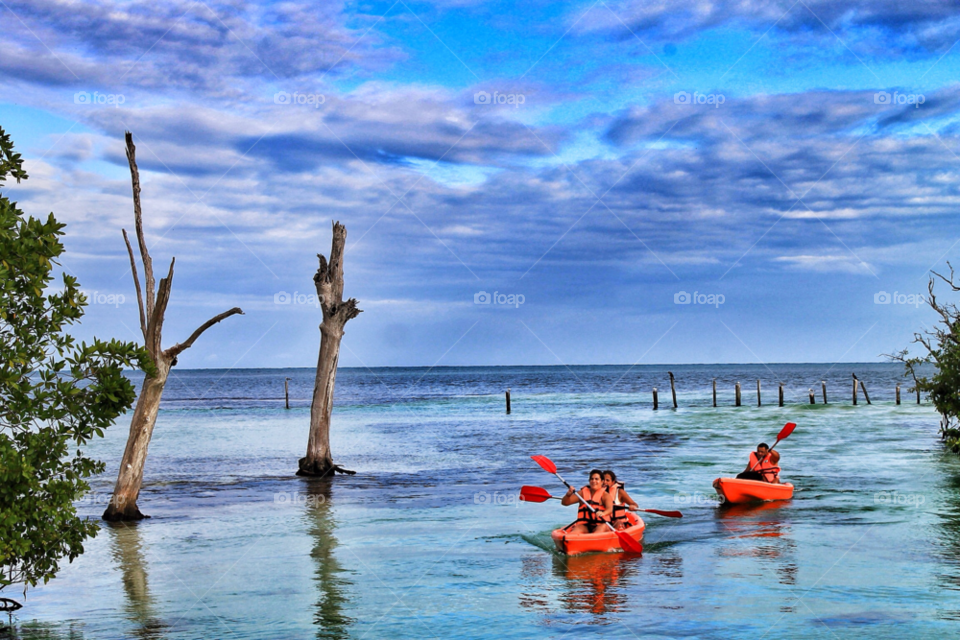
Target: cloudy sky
{"type": "Point", "coordinates": [782, 167]}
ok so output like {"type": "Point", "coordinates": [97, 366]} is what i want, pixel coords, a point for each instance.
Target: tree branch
{"type": "Point", "coordinates": [138, 220]}
{"type": "Point", "coordinates": [136, 282]}
{"type": "Point", "coordinates": [179, 348]}
{"type": "Point", "coordinates": [155, 326]}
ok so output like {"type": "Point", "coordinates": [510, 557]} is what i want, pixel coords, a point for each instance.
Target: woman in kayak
{"type": "Point", "coordinates": [762, 465]}
{"type": "Point", "coordinates": [597, 497]}
{"type": "Point", "coordinates": [621, 501]}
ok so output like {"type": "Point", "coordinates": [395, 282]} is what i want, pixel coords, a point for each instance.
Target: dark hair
{"type": "Point", "coordinates": [596, 471]}
{"type": "Point", "coordinates": [610, 473]}
{"type": "Point", "coordinates": [764, 445]}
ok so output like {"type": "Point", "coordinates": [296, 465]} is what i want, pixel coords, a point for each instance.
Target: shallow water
{"type": "Point", "coordinates": [428, 539]}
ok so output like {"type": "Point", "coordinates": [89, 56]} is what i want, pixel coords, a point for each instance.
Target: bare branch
{"type": "Point", "coordinates": [179, 348]}
{"type": "Point", "coordinates": [155, 326]}
{"type": "Point", "coordinates": [138, 220]}
{"type": "Point", "coordinates": [136, 282]}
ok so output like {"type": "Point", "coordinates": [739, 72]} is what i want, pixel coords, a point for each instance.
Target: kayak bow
{"type": "Point", "coordinates": [601, 542]}
{"type": "Point", "coordinates": [736, 491]}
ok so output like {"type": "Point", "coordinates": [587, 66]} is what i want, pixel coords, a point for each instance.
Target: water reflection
{"type": "Point", "coordinates": [126, 549]}
{"type": "Point", "coordinates": [594, 582]}
{"type": "Point", "coordinates": [760, 531]}
{"type": "Point", "coordinates": [333, 587]}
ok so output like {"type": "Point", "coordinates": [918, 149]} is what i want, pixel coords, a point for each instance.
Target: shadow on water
{"type": "Point", "coordinates": [126, 549]}
{"type": "Point", "coordinates": [333, 587]}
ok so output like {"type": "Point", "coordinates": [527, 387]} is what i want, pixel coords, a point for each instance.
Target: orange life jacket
{"type": "Point", "coordinates": [595, 500]}
{"type": "Point", "coordinates": [767, 469]}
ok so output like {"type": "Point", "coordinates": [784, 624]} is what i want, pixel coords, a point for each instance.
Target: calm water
{"type": "Point", "coordinates": [428, 541]}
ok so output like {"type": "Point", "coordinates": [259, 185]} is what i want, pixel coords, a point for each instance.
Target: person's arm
{"type": "Point", "coordinates": [627, 500]}
{"type": "Point", "coordinates": [774, 457]}
{"type": "Point", "coordinates": [569, 498]}
{"type": "Point", "coordinates": [607, 505]}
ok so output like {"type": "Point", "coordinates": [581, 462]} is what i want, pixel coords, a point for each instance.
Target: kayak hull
{"type": "Point", "coordinates": [737, 491]}
{"type": "Point", "coordinates": [606, 541]}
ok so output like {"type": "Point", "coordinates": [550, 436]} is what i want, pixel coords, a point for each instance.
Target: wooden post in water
{"type": "Point", "coordinates": [813, 398]}
{"type": "Point", "coordinates": [508, 401]}
{"type": "Point", "coordinates": [823, 385]}
{"type": "Point", "coordinates": [656, 403]}
{"type": "Point", "coordinates": [898, 394]}
{"type": "Point", "coordinates": [286, 391]}
{"type": "Point", "coordinates": [673, 391]}
{"type": "Point", "coordinates": [738, 394]}
{"type": "Point", "coordinates": [781, 395]}
{"type": "Point", "coordinates": [864, 387]}
{"type": "Point", "coordinates": [918, 394]}
{"type": "Point", "coordinates": [855, 383]}
{"type": "Point", "coordinates": [758, 393]}
{"type": "Point", "coordinates": [714, 392]}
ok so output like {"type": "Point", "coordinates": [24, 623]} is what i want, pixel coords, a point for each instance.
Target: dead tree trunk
{"type": "Point", "coordinates": [336, 313]}
{"type": "Point", "coordinates": [123, 504]}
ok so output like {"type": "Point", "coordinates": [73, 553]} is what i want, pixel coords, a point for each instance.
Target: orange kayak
{"type": "Point", "coordinates": [735, 491]}
{"type": "Point", "coordinates": [600, 542]}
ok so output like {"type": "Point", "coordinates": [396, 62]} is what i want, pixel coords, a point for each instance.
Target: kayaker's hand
{"type": "Point", "coordinates": [633, 507]}
{"type": "Point", "coordinates": [570, 491]}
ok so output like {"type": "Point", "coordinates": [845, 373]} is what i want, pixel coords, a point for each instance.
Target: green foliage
{"type": "Point", "coordinates": [55, 395]}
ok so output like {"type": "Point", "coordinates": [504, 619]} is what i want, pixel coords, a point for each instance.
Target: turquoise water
{"type": "Point", "coordinates": [427, 540]}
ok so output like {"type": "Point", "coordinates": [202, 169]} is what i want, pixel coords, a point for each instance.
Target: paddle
{"type": "Point", "coordinates": [786, 431]}
{"type": "Point", "coordinates": [539, 494]}
{"type": "Point", "coordinates": [626, 542]}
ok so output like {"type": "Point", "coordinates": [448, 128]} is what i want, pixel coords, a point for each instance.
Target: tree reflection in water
{"type": "Point", "coordinates": [332, 585]}
{"type": "Point", "coordinates": [126, 548]}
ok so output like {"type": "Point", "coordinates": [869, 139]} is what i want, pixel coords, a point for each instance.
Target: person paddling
{"type": "Point", "coordinates": [594, 493]}
{"type": "Point", "coordinates": [763, 465]}
{"type": "Point", "coordinates": [621, 500]}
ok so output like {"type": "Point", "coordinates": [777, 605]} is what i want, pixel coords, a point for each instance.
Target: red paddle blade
{"type": "Point", "coordinates": [545, 462]}
{"type": "Point", "coordinates": [628, 544]}
{"type": "Point", "coordinates": [534, 494]}
{"type": "Point", "coordinates": [669, 514]}
{"type": "Point", "coordinates": [787, 430]}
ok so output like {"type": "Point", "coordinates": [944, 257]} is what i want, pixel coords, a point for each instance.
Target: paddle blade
{"type": "Point", "coordinates": [669, 514]}
{"type": "Point", "coordinates": [628, 544]}
{"type": "Point", "coordinates": [545, 462]}
{"type": "Point", "coordinates": [786, 431]}
{"type": "Point", "coordinates": [534, 494]}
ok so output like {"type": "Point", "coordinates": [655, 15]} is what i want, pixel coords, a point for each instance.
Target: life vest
{"type": "Point", "coordinates": [619, 509]}
{"type": "Point", "coordinates": [595, 500]}
{"type": "Point", "coordinates": [767, 469]}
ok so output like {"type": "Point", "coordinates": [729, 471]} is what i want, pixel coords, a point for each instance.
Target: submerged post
{"type": "Point", "coordinates": [898, 394]}
{"type": "Point", "coordinates": [781, 395]}
{"type": "Point", "coordinates": [286, 391]}
{"type": "Point", "coordinates": [758, 393]}
{"type": "Point", "coordinates": [855, 382]}
{"type": "Point", "coordinates": [813, 399]}
{"type": "Point", "coordinates": [823, 385]}
{"type": "Point", "coordinates": [864, 387]}
{"type": "Point", "coordinates": [918, 394]}
{"type": "Point", "coordinates": [738, 394]}
{"type": "Point", "coordinates": [714, 392]}
{"type": "Point", "coordinates": [673, 390]}
{"type": "Point", "coordinates": [656, 403]}
{"type": "Point", "coordinates": [508, 401]}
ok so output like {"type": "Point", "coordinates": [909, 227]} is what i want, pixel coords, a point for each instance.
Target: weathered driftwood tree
{"type": "Point", "coordinates": [336, 313]}
{"type": "Point", "coordinates": [123, 504]}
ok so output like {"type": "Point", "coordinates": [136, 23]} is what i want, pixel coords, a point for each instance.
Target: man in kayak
{"type": "Point", "coordinates": [621, 500]}
{"type": "Point", "coordinates": [762, 465]}
{"type": "Point", "coordinates": [602, 502]}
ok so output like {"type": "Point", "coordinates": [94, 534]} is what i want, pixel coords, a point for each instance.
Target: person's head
{"type": "Point", "coordinates": [596, 479]}
{"type": "Point", "coordinates": [763, 449]}
{"type": "Point", "coordinates": [609, 478]}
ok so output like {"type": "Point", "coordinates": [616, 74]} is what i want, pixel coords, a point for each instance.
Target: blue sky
{"type": "Point", "coordinates": [781, 166]}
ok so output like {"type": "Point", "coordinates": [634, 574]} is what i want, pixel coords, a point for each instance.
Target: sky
{"type": "Point", "coordinates": [556, 183]}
